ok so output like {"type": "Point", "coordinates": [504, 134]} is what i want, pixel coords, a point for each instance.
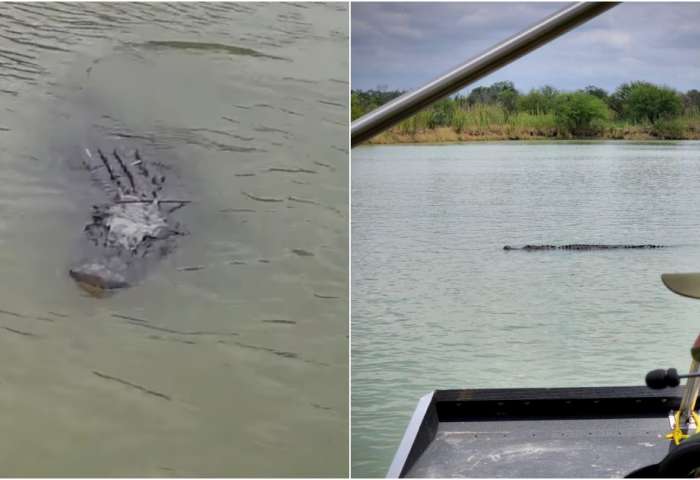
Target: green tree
{"type": "Point", "coordinates": [489, 95]}
{"type": "Point", "coordinates": [538, 101]}
{"type": "Point", "coordinates": [442, 113]}
{"type": "Point", "coordinates": [579, 113]}
{"type": "Point", "coordinates": [508, 101]}
{"type": "Point", "coordinates": [691, 100]}
{"type": "Point", "coordinates": [499, 87]}
{"type": "Point", "coordinates": [647, 102]}
{"type": "Point", "coordinates": [356, 110]}
{"type": "Point", "coordinates": [596, 92]}
{"type": "Point", "coordinates": [618, 99]}
{"type": "Point", "coordinates": [480, 95]}
{"type": "Point", "coordinates": [364, 101]}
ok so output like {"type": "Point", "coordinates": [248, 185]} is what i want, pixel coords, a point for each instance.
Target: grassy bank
{"type": "Point", "coordinates": [538, 129]}
{"type": "Point", "coordinates": [635, 111]}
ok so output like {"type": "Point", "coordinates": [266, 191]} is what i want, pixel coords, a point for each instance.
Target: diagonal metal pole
{"type": "Point", "coordinates": [478, 67]}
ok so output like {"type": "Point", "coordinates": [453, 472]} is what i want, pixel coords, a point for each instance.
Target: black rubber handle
{"type": "Point", "coordinates": [660, 378]}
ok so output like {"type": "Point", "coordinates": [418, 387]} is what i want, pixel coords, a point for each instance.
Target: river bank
{"type": "Point", "coordinates": [634, 111]}
{"type": "Point", "coordinates": [505, 133]}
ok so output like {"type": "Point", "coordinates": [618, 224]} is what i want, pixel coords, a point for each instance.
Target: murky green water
{"type": "Point", "coordinates": [437, 303]}
{"type": "Point", "coordinates": [236, 368]}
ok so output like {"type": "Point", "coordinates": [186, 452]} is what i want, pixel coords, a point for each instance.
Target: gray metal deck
{"type": "Point", "coordinates": [601, 432]}
{"type": "Point", "coordinates": [544, 448]}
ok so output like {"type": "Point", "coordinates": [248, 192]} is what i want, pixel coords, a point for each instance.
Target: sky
{"type": "Point", "coordinates": [404, 45]}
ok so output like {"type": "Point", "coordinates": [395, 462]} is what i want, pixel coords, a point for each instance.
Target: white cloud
{"type": "Point", "coordinates": [600, 37]}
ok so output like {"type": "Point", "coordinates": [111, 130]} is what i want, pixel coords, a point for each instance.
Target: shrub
{"type": "Point", "coordinates": [669, 128]}
{"type": "Point", "coordinates": [647, 102]}
{"type": "Point", "coordinates": [580, 113]}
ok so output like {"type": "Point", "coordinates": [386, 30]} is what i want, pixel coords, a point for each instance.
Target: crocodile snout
{"type": "Point", "coordinates": [95, 278]}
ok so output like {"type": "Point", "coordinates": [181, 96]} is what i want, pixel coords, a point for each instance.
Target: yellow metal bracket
{"type": "Point", "coordinates": [677, 434]}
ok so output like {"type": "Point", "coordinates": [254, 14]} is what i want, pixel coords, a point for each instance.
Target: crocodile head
{"type": "Point", "coordinates": [98, 277]}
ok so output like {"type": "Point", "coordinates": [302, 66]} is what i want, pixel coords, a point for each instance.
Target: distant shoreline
{"type": "Point", "coordinates": [445, 135]}
{"type": "Point", "coordinates": [636, 110]}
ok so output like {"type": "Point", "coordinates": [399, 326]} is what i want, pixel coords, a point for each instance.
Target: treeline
{"type": "Point", "coordinates": [635, 109]}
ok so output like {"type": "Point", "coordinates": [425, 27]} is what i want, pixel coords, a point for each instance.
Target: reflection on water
{"type": "Point", "coordinates": [438, 303]}
{"type": "Point", "coordinates": [230, 356]}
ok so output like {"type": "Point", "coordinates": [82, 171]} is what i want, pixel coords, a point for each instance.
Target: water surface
{"type": "Point", "coordinates": [437, 303]}
{"type": "Point", "coordinates": [230, 357]}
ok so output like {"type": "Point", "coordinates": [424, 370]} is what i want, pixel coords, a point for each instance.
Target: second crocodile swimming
{"type": "Point", "coordinates": [132, 228]}
{"type": "Point", "coordinates": [583, 246]}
